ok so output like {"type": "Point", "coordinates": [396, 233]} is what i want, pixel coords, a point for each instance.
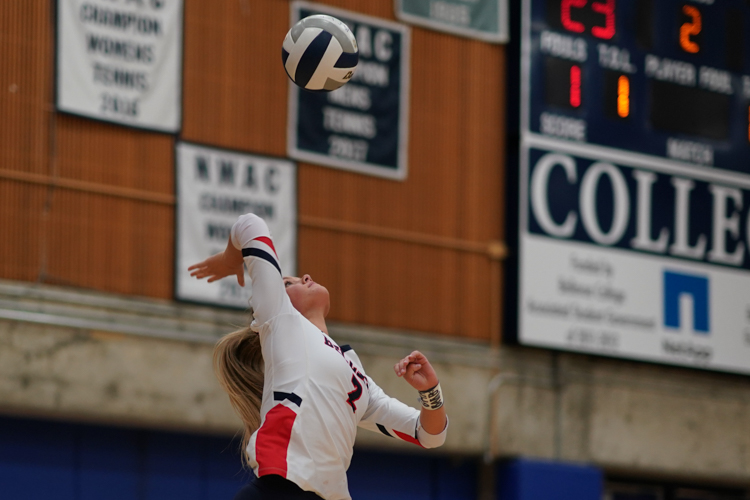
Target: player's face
{"type": "Point", "coordinates": [306, 295]}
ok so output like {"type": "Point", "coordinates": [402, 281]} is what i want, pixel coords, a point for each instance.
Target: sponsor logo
{"type": "Point", "coordinates": [677, 288]}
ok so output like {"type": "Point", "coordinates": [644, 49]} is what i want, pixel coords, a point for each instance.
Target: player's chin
{"type": "Point", "coordinates": [324, 298]}
{"type": "Point", "coordinates": [320, 290]}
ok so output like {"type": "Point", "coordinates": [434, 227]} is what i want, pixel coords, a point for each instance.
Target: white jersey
{"type": "Point", "coordinates": [315, 392]}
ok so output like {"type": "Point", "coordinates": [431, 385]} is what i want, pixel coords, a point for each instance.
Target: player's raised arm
{"type": "Point", "coordinates": [250, 240]}
{"type": "Point", "coordinates": [221, 265]}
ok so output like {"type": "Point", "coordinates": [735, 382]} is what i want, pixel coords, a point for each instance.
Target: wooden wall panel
{"type": "Point", "coordinates": [113, 244]}
{"type": "Point", "coordinates": [25, 94]}
{"type": "Point", "coordinates": [112, 155]}
{"type": "Point", "coordinates": [21, 215]}
{"type": "Point", "coordinates": [26, 70]}
{"type": "Point", "coordinates": [105, 193]}
{"type": "Point", "coordinates": [117, 243]}
{"type": "Point", "coordinates": [109, 239]}
{"type": "Point", "coordinates": [235, 88]}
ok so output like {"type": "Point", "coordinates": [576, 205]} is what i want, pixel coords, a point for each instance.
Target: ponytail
{"type": "Point", "coordinates": [238, 363]}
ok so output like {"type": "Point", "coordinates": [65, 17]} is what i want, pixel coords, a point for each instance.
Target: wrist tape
{"type": "Point", "coordinates": [432, 399]}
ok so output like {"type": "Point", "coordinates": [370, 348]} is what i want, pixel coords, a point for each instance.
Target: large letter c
{"type": "Point", "coordinates": [539, 189]}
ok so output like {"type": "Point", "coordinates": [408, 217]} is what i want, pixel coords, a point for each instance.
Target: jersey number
{"type": "Point", "coordinates": [355, 394]}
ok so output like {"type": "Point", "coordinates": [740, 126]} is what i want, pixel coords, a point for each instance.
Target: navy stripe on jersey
{"type": "Point", "coordinates": [345, 347]}
{"type": "Point", "coordinates": [281, 396]}
{"type": "Point", "coordinates": [261, 254]}
{"type": "Point", "coordinates": [347, 60]}
{"type": "Point", "coordinates": [309, 61]}
{"type": "Point", "coordinates": [384, 431]}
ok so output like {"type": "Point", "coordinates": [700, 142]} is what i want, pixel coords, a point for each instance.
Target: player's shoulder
{"type": "Point", "coordinates": [351, 354]}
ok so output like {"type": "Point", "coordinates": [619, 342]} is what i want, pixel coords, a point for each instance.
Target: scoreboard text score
{"type": "Point", "coordinates": [665, 78]}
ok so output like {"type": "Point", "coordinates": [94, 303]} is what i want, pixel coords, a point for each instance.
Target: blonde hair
{"type": "Point", "coordinates": [238, 363]}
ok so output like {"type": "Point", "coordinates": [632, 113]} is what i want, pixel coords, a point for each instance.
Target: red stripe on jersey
{"type": "Point", "coordinates": [268, 241]}
{"type": "Point", "coordinates": [407, 438]}
{"type": "Point", "coordinates": [272, 442]}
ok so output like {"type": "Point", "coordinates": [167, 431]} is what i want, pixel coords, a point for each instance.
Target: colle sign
{"type": "Point", "coordinates": [624, 260]}
{"type": "Point", "coordinates": [614, 205]}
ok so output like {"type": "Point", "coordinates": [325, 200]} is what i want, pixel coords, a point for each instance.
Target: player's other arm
{"type": "Point", "coordinates": [389, 416]}
{"type": "Point", "coordinates": [419, 373]}
{"type": "Point", "coordinates": [249, 241]}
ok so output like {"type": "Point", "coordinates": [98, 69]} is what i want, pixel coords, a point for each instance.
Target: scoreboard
{"type": "Point", "coordinates": [665, 78]}
{"type": "Point", "coordinates": [634, 179]}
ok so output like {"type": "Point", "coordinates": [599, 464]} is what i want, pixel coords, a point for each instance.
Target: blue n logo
{"type": "Point", "coordinates": [677, 285]}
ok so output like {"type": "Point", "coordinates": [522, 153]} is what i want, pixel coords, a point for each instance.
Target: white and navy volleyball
{"type": "Point", "coordinates": [320, 53]}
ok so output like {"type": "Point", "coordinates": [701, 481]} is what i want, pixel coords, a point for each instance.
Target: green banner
{"type": "Point", "coordinates": [485, 20]}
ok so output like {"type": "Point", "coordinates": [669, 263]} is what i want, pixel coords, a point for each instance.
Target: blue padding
{"type": "Point", "coordinates": [456, 479]}
{"type": "Point", "coordinates": [175, 467]}
{"type": "Point", "coordinates": [224, 473]}
{"type": "Point", "coordinates": [37, 461]}
{"type": "Point", "coordinates": [377, 476]}
{"type": "Point", "coordinates": [43, 460]}
{"type": "Point", "coordinates": [524, 479]}
{"type": "Point", "coordinates": [109, 463]}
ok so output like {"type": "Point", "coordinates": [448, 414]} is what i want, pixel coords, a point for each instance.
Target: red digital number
{"type": "Point", "coordinates": [575, 86]}
{"type": "Point", "coordinates": [608, 9]}
{"type": "Point", "coordinates": [567, 22]}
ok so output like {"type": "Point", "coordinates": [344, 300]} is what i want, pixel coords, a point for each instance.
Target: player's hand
{"type": "Point", "coordinates": [217, 267]}
{"type": "Point", "coordinates": [417, 371]}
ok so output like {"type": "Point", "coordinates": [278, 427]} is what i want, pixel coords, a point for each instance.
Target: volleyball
{"type": "Point", "coordinates": [320, 53]}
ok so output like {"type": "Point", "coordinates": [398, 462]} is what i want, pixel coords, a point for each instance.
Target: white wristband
{"type": "Point", "coordinates": [431, 399]}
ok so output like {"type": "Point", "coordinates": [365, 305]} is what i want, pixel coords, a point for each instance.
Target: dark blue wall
{"type": "Point", "coordinates": [383, 476]}
{"type": "Point", "coordinates": [524, 479]}
{"type": "Point", "coordinates": [51, 460]}
{"type": "Point", "coordinates": [43, 460]}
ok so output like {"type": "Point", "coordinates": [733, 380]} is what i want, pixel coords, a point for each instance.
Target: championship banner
{"type": "Point", "coordinates": [363, 126]}
{"type": "Point", "coordinates": [215, 187]}
{"type": "Point", "coordinates": [485, 20]}
{"type": "Point", "coordinates": [121, 61]}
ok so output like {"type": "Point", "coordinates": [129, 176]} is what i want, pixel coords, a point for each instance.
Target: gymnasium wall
{"type": "Point", "coordinates": [91, 205]}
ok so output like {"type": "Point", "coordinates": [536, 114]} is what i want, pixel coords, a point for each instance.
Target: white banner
{"type": "Point", "coordinates": [121, 61]}
{"type": "Point", "coordinates": [619, 303]}
{"type": "Point", "coordinates": [216, 186]}
{"type": "Point", "coordinates": [625, 261]}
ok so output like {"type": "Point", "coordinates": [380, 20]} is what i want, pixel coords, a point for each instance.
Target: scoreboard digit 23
{"type": "Point", "coordinates": [664, 78]}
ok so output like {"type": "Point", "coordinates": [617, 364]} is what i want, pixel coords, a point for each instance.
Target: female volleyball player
{"type": "Point", "coordinates": [300, 395]}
